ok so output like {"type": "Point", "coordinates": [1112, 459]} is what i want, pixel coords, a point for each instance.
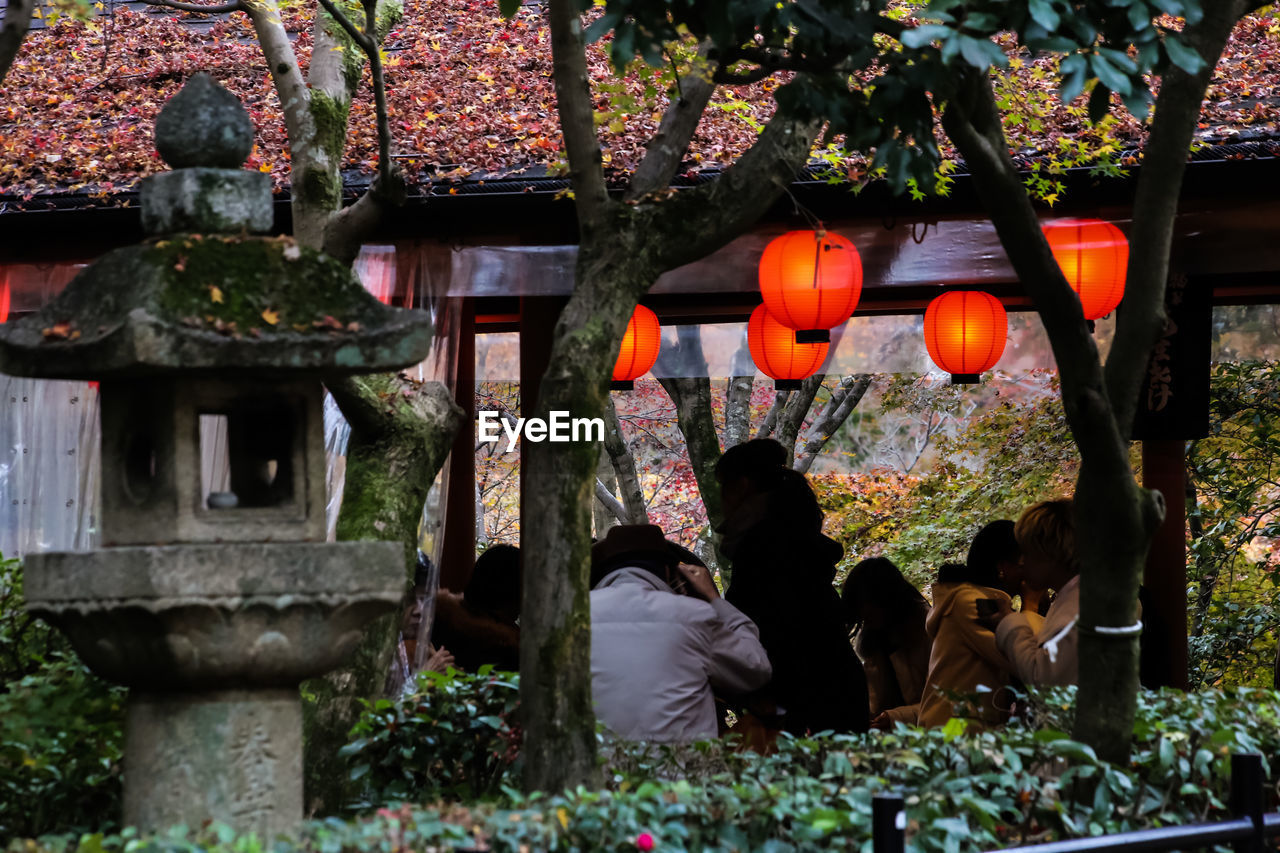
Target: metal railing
{"type": "Point", "coordinates": [1246, 831]}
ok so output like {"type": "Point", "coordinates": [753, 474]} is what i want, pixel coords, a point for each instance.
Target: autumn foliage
{"type": "Point", "coordinates": [471, 98]}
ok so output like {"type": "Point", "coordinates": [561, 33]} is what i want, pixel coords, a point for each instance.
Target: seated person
{"type": "Point", "coordinates": [481, 626]}
{"type": "Point", "coordinates": [887, 617]}
{"type": "Point", "coordinates": [1048, 655]}
{"type": "Point", "coordinates": [964, 658]}
{"type": "Point", "coordinates": [662, 639]}
{"type": "Point", "coordinates": [996, 548]}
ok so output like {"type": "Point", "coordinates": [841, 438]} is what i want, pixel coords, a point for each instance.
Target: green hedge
{"type": "Point", "coordinates": [964, 791]}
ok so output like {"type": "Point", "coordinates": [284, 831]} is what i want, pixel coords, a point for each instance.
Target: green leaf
{"type": "Point", "coordinates": [1073, 749]}
{"type": "Point", "coordinates": [1182, 56]}
{"type": "Point", "coordinates": [1043, 13]}
{"type": "Point", "coordinates": [981, 53]}
{"type": "Point", "coordinates": [922, 35]}
{"type": "Point", "coordinates": [1111, 77]}
{"type": "Point", "coordinates": [1073, 70]}
{"type": "Point", "coordinates": [508, 7]}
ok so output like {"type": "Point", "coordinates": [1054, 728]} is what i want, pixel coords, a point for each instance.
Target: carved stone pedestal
{"type": "Point", "coordinates": [214, 639]}
{"type": "Point", "coordinates": [233, 756]}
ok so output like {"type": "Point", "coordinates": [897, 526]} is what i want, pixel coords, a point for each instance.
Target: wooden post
{"type": "Point", "coordinates": [458, 553]}
{"type": "Point", "coordinates": [1164, 619]}
{"type": "Point", "coordinates": [538, 316]}
{"type": "Point", "coordinates": [1173, 407]}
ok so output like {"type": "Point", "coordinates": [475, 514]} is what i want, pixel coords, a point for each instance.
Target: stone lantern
{"type": "Point", "coordinates": [213, 597]}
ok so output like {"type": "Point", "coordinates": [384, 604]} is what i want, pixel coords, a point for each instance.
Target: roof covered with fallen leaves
{"type": "Point", "coordinates": [471, 99]}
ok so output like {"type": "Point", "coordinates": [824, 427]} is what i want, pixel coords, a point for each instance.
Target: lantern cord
{"type": "Point", "coordinates": [923, 234]}
{"type": "Point", "coordinates": [809, 216]}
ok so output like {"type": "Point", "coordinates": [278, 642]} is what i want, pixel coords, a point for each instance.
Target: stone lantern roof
{"type": "Point", "coordinates": [207, 291]}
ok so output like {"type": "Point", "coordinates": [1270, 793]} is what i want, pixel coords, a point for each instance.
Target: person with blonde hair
{"type": "Point", "coordinates": [1048, 656]}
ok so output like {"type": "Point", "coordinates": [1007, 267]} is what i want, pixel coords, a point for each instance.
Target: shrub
{"type": "Point", "coordinates": [61, 728]}
{"type": "Point", "coordinates": [453, 738]}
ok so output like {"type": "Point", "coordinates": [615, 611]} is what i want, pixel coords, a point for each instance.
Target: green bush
{"type": "Point", "coordinates": [453, 738]}
{"type": "Point", "coordinates": [61, 728]}
{"type": "Point", "coordinates": [963, 791]}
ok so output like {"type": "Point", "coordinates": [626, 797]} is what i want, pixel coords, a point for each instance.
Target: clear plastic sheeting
{"type": "Point", "coordinates": [49, 437]}
{"type": "Point", "coordinates": [336, 433]}
{"type": "Point", "coordinates": [872, 344]}
{"type": "Point", "coordinates": [49, 466]}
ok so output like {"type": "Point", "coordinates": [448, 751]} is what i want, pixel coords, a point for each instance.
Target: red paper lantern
{"type": "Point", "coordinates": [811, 281]}
{"type": "Point", "coordinates": [965, 332]}
{"type": "Point", "coordinates": [1094, 256]}
{"type": "Point", "coordinates": [4, 299]}
{"type": "Point", "coordinates": [776, 353]}
{"type": "Point", "coordinates": [639, 349]}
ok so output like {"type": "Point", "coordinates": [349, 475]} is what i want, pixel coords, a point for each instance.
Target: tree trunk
{"type": "Point", "coordinates": [1115, 518]}
{"type": "Point", "coordinates": [400, 436]}
{"type": "Point", "coordinates": [555, 641]}
{"type": "Point", "coordinates": [793, 414]}
{"type": "Point", "coordinates": [603, 515]}
{"type": "Point", "coordinates": [623, 467]}
{"type": "Point", "coordinates": [17, 20]}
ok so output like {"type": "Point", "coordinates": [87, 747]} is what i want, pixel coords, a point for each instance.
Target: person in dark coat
{"type": "Point", "coordinates": [886, 615]}
{"type": "Point", "coordinates": [782, 574]}
{"type": "Point", "coordinates": [481, 626]}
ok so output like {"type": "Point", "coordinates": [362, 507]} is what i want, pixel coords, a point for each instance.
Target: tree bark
{"type": "Point", "coordinates": [400, 437]}
{"type": "Point", "coordinates": [607, 510]}
{"type": "Point", "coordinates": [737, 410]}
{"type": "Point", "coordinates": [689, 387]}
{"type": "Point", "coordinates": [17, 21]}
{"type": "Point", "coordinates": [1115, 518]}
{"type": "Point", "coordinates": [770, 422]}
{"type": "Point", "coordinates": [635, 511]}
{"type": "Point", "coordinates": [793, 414]}
{"type": "Point", "coordinates": [623, 248]}
{"type": "Point", "coordinates": [833, 415]}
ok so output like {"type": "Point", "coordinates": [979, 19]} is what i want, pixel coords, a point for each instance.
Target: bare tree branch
{"type": "Point", "coordinates": [793, 415]}
{"type": "Point", "coordinates": [666, 149]}
{"type": "Point", "coordinates": [219, 9]}
{"type": "Point", "coordinates": [686, 382]}
{"type": "Point", "coordinates": [17, 21]}
{"type": "Point", "coordinates": [775, 411]}
{"type": "Point", "coordinates": [612, 504]}
{"type": "Point", "coordinates": [624, 468]}
{"type": "Point", "coordinates": [833, 415]}
{"type": "Point", "coordinates": [577, 113]}
{"type": "Point", "coordinates": [286, 73]}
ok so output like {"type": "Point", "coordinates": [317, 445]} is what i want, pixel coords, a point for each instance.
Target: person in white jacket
{"type": "Point", "coordinates": [663, 641]}
{"type": "Point", "coordinates": [1048, 655]}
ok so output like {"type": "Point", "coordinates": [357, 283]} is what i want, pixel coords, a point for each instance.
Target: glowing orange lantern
{"type": "Point", "coordinates": [1093, 255]}
{"type": "Point", "coordinates": [4, 299]}
{"type": "Point", "coordinates": [965, 332]}
{"type": "Point", "coordinates": [639, 349]}
{"type": "Point", "coordinates": [811, 281]}
{"type": "Point", "coordinates": [776, 353]}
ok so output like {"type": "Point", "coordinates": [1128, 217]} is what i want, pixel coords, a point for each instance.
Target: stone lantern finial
{"type": "Point", "coordinates": [205, 134]}
{"type": "Point", "coordinates": [204, 125]}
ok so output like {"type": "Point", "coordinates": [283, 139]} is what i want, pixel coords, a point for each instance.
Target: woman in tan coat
{"type": "Point", "coordinates": [964, 659]}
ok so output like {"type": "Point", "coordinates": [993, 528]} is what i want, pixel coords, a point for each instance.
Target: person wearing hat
{"type": "Point", "coordinates": [663, 640]}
